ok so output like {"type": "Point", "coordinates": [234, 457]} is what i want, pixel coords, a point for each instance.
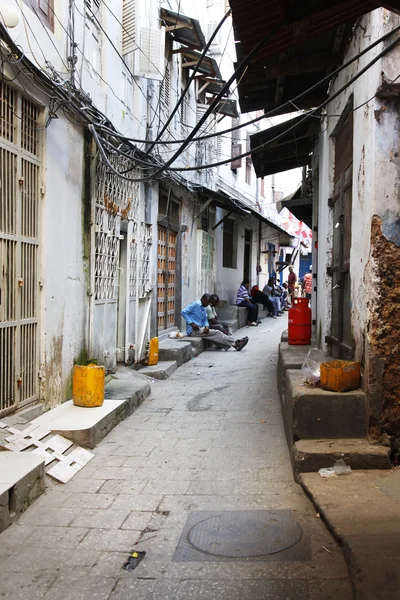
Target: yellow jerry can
{"type": "Point", "coordinates": [88, 386]}
{"type": "Point", "coordinates": [153, 351]}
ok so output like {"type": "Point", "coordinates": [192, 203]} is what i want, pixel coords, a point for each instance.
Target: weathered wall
{"type": "Point", "coordinates": [383, 331]}
{"type": "Point", "coordinates": [375, 215]}
{"type": "Point", "coordinates": [64, 267]}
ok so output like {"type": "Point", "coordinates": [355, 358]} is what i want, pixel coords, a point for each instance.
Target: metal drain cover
{"type": "Point", "coordinates": [245, 534]}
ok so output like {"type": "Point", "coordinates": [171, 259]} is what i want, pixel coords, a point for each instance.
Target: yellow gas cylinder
{"type": "Point", "coordinates": [88, 386]}
{"type": "Point", "coordinates": [153, 351]}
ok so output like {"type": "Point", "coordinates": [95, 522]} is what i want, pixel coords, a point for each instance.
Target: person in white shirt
{"type": "Point", "coordinates": [213, 320]}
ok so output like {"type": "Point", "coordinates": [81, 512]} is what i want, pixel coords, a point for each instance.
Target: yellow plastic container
{"type": "Point", "coordinates": [340, 375]}
{"type": "Point", "coordinates": [88, 386]}
{"type": "Point", "coordinates": [153, 351]}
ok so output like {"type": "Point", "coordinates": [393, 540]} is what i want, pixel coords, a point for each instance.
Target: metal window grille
{"type": "Point", "coordinates": [207, 252]}
{"type": "Point", "coordinates": [107, 255]}
{"type": "Point", "coordinates": [19, 249]}
{"type": "Point", "coordinates": [142, 232]}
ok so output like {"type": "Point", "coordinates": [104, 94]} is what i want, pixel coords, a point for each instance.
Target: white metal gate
{"type": "Point", "coordinates": [19, 247]}
{"type": "Point", "coordinates": [206, 263]}
{"type": "Point", "coordinates": [117, 273]}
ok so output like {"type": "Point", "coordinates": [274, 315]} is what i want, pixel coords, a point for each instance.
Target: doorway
{"type": "Point", "coordinates": [341, 331]}
{"type": "Point", "coordinates": [248, 238]}
{"type": "Point", "coordinates": [168, 304]}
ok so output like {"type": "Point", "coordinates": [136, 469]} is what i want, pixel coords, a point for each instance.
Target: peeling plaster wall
{"type": "Point", "coordinates": [65, 275]}
{"type": "Point", "coordinates": [375, 205]}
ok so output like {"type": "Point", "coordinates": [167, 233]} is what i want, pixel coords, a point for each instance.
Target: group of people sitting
{"type": "Point", "coordinates": [202, 319]}
{"type": "Point", "coordinates": [275, 299]}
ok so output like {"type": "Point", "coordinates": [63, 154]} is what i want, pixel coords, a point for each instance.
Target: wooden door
{"type": "Point", "coordinates": [166, 277]}
{"type": "Point", "coordinates": [341, 330]}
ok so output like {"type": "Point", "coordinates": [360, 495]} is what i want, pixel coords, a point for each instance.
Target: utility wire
{"type": "Point", "coordinates": [257, 149]}
{"type": "Point", "coordinates": [278, 109]}
{"type": "Point", "coordinates": [226, 86]}
{"type": "Point", "coordinates": [261, 146]}
{"type": "Point", "coordinates": [191, 78]}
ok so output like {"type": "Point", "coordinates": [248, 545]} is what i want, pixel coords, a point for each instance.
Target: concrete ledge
{"type": "Point", "coordinates": [175, 350]}
{"type": "Point", "coordinates": [198, 344]}
{"type": "Point", "coordinates": [22, 480]}
{"type": "Point", "coordinates": [311, 455]}
{"type": "Point", "coordinates": [88, 426]}
{"type": "Point", "coordinates": [362, 510]}
{"type": "Point", "coordinates": [319, 414]}
{"type": "Point", "coordinates": [162, 370]}
{"type": "Point", "coordinates": [289, 357]}
{"type": "Point", "coordinates": [231, 312]}
{"type": "Point", "coordinates": [284, 336]}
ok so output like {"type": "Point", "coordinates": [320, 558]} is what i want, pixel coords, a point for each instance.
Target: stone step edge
{"type": "Point", "coordinates": [162, 370]}
{"type": "Point", "coordinates": [311, 455]}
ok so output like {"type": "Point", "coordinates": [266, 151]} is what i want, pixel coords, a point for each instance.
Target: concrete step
{"type": "Point", "coordinates": [22, 480]}
{"type": "Point", "coordinates": [162, 370]}
{"type": "Point", "coordinates": [311, 455]}
{"type": "Point", "coordinates": [313, 413]}
{"type": "Point", "coordinates": [178, 350]}
{"type": "Point", "coordinates": [198, 344]}
{"type": "Point", "coordinates": [230, 312]}
{"type": "Point", "coordinates": [290, 357]}
{"type": "Point", "coordinates": [88, 426]}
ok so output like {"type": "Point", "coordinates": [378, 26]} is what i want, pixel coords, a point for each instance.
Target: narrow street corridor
{"type": "Point", "coordinates": [207, 446]}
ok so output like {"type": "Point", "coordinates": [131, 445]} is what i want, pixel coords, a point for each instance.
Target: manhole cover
{"type": "Point", "coordinates": [247, 534]}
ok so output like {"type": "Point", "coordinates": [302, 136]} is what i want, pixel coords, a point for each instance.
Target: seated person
{"type": "Point", "coordinates": [259, 297]}
{"type": "Point", "coordinates": [213, 320]}
{"type": "Point", "coordinates": [268, 290]}
{"type": "Point", "coordinates": [243, 300]}
{"type": "Point", "coordinates": [285, 298]}
{"type": "Point", "coordinates": [281, 293]}
{"type": "Point", "coordinates": [195, 315]}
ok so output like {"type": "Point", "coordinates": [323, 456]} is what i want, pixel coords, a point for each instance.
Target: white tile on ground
{"type": "Point", "coordinates": [58, 443]}
{"type": "Point", "coordinates": [48, 458]}
{"type": "Point", "coordinates": [62, 472]}
{"type": "Point", "coordinates": [80, 456]}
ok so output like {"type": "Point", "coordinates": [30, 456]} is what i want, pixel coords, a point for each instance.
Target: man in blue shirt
{"type": "Point", "coordinates": [195, 315]}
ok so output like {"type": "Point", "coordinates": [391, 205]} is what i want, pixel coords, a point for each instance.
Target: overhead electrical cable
{"type": "Point", "coordinates": [191, 79]}
{"type": "Point", "coordinates": [278, 109]}
{"type": "Point", "coordinates": [261, 146]}
{"type": "Point", "coordinates": [296, 125]}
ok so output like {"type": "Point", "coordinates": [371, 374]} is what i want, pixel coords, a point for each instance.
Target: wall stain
{"type": "Point", "coordinates": [53, 381]}
{"type": "Point", "coordinates": [384, 331]}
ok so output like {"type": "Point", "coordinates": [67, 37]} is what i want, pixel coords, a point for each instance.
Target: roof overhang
{"type": "Point", "coordinates": [300, 204]}
{"type": "Point", "coordinates": [295, 55]}
{"type": "Point", "coordinates": [208, 65]}
{"type": "Point", "coordinates": [184, 30]}
{"type": "Point", "coordinates": [292, 149]}
{"type": "Point", "coordinates": [227, 108]}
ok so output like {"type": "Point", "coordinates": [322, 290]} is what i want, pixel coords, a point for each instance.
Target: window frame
{"type": "Point", "coordinates": [35, 6]}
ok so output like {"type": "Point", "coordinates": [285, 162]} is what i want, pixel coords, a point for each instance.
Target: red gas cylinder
{"type": "Point", "coordinates": [300, 323]}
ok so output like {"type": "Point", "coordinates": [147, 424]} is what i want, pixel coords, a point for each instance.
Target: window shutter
{"type": "Point", "coordinates": [200, 111]}
{"type": "Point", "coordinates": [150, 59]}
{"type": "Point", "coordinates": [129, 27]}
{"type": "Point", "coordinates": [236, 151]}
{"type": "Point", "coordinates": [165, 89]}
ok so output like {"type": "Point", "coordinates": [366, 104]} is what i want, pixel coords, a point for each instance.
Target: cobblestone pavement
{"type": "Point", "coordinates": [208, 439]}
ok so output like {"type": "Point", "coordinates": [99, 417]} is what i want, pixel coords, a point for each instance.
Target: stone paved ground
{"type": "Point", "coordinates": [210, 438]}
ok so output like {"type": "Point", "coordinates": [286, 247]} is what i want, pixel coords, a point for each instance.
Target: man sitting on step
{"type": "Point", "coordinates": [197, 325]}
{"type": "Point", "coordinates": [212, 316]}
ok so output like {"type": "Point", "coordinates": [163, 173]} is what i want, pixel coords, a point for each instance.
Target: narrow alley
{"type": "Point", "coordinates": [207, 442]}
